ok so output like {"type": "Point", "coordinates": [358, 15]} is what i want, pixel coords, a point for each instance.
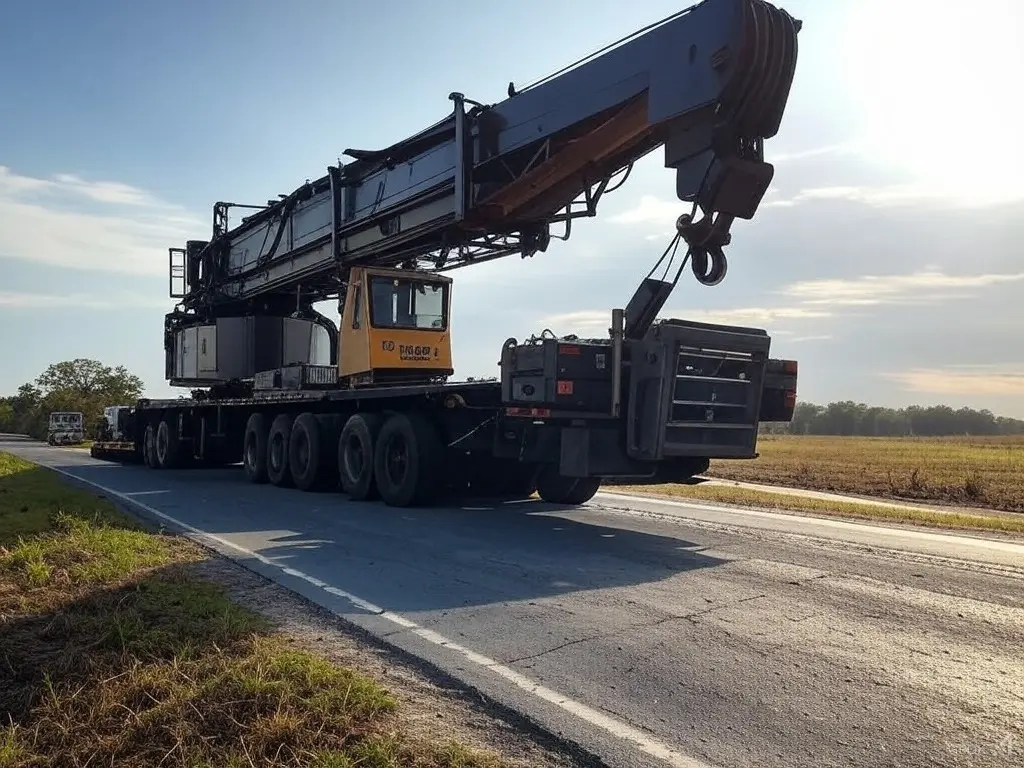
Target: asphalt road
{"type": "Point", "coordinates": [653, 633]}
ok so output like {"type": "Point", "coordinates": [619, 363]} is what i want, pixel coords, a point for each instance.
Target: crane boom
{"type": "Point", "coordinates": [709, 84]}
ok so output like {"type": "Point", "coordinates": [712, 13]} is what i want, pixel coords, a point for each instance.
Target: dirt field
{"type": "Point", "coordinates": [969, 471]}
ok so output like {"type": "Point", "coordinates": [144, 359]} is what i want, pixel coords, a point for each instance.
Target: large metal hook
{"type": "Point", "coordinates": [705, 239]}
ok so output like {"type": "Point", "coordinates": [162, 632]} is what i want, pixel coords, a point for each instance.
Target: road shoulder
{"type": "Point", "coordinates": [124, 618]}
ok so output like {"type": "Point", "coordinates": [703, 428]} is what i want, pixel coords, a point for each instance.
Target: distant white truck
{"type": "Point", "coordinates": [116, 422]}
{"type": "Point", "coordinates": [66, 428]}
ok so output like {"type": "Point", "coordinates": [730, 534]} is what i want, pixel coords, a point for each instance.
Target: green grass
{"type": "Point", "coordinates": [965, 471]}
{"type": "Point", "coordinates": [31, 499]}
{"type": "Point", "coordinates": [115, 653]}
{"type": "Point", "coordinates": [850, 509]}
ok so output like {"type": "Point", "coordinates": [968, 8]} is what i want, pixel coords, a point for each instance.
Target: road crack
{"type": "Point", "coordinates": [636, 627]}
{"type": "Point", "coordinates": [697, 614]}
{"type": "Point", "coordinates": [560, 646]}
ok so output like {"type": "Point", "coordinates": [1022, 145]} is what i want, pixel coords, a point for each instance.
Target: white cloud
{"type": "Point", "coordinates": [901, 194]}
{"type": "Point", "coordinates": [112, 192]}
{"type": "Point", "coordinates": [981, 381]}
{"type": "Point", "coordinates": [843, 148]}
{"type": "Point", "coordinates": [918, 287]}
{"type": "Point", "coordinates": [810, 300]}
{"type": "Point", "coordinates": [892, 195]}
{"type": "Point", "coordinates": [597, 322]}
{"type": "Point", "coordinates": [932, 192]}
{"type": "Point", "coordinates": [16, 300]}
{"type": "Point", "coordinates": [66, 221]}
{"type": "Point", "coordinates": [69, 184]}
{"type": "Point", "coordinates": [652, 210]}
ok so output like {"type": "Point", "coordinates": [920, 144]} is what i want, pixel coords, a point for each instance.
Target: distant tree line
{"type": "Point", "coordinates": [83, 385]}
{"type": "Point", "coordinates": [859, 419]}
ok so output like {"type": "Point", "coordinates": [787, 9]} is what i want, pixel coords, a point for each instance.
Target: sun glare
{"type": "Point", "coordinates": [937, 93]}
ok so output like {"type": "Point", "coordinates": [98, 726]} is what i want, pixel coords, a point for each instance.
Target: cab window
{"type": "Point", "coordinates": [404, 303]}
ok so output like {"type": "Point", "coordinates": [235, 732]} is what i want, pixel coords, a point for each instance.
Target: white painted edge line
{"type": "Point", "coordinates": [980, 542]}
{"type": "Point", "coordinates": [808, 493]}
{"type": "Point", "coordinates": [584, 712]}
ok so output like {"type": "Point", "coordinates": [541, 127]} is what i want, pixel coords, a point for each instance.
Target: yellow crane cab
{"type": "Point", "coordinates": [395, 327]}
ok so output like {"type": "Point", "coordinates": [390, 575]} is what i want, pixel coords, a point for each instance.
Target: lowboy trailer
{"type": "Point", "coordinates": [367, 404]}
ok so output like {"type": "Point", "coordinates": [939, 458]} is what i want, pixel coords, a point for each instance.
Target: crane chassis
{"type": "Point", "coordinates": [366, 403]}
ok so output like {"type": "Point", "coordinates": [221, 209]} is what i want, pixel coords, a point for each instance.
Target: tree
{"type": "Point", "coordinates": [850, 418]}
{"type": "Point", "coordinates": [6, 415]}
{"type": "Point", "coordinates": [81, 385]}
{"type": "Point", "coordinates": [90, 379]}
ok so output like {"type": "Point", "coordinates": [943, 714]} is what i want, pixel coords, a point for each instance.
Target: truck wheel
{"type": "Point", "coordinates": [408, 460]}
{"type": "Point", "coordinates": [558, 489]}
{"type": "Point", "coordinates": [278, 471]}
{"type": "Point", "coordinates": [254, 449]}
{"type": "Point", "coordinates": [166, 447]}
{"type": "Point", "coordinates": [149, 446]}
{"type": "Point", "coordinates": [355, 455]}
{"type": "Point", "coordinates": [307, 458]}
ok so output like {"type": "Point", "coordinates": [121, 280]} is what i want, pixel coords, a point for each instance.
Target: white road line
{"type": "Point", "coordinates": [998, 545]}
{"type": "Point", "coordinates": [643, 741]}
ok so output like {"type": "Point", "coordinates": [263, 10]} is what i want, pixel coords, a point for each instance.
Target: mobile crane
{"type": "Point", "coordinates": [367, 403]}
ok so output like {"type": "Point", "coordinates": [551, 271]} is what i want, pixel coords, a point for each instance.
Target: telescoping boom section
{"type": "Point", "coordinates": [708, 84]}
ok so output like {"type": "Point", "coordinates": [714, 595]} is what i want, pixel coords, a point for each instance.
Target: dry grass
{"type": "Point", "coordinates": [789, 502]}
{"type": "Point", "coordinates": [981, 472]}
{"type": "Point", "coordinates": [114, 654]}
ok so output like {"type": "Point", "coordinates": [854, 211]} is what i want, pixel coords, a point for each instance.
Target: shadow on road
{"type": "Point", "coordinates": [419, 559]}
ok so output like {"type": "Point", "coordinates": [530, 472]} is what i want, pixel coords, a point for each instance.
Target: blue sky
{"type": "Point", "coordinates": [887, 257]}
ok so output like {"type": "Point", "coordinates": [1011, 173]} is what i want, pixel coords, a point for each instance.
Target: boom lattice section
{"type": "Point", "coordinates": [708, 84]}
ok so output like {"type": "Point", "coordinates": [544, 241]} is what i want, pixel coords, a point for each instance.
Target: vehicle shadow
{"type": "Point", "coordinates": [475, 553]}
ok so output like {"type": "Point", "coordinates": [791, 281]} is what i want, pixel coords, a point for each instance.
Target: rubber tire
{"type": "Point", "coordinates": [422, 478]}
{"type": "Point", "coordinates": [557, 489]}
{"type": "Point", "coordinates": [149, 446]}
{"type": "Point", "coordinates": [363, 427]}
{"type": "Point", "coordinates": [254, 461]}
{"type": "Point", "coordinates": [317, 471]}
{"type": "Point", "coordinates": [167, 434]}
{"type": "Point", "coordinates": [278, 439]}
